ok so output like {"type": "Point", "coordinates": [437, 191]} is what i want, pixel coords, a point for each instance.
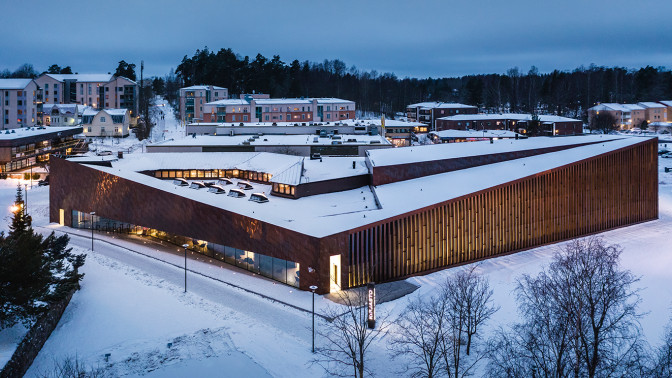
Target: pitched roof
{"type": "Point", "coordinates": [87, 78]}
{"type": "Point", "coordinates": [14, 83]}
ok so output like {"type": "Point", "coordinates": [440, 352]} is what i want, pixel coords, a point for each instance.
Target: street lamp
{"type": "Point", "coordinates": [92, 214]}
{"type": "Point", "coordinates": [25, 209]}
{"type": "Point", "coordinates": [313, 288]}
{"type": "Point", "coordinates": [185, 266]}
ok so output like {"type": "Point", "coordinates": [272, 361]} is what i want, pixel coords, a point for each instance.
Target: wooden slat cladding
{"type": "Point", "coordinates": [603, 192]}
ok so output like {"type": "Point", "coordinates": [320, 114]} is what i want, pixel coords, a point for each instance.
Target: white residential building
{"type": "Point", "coordinates": [106, 122]}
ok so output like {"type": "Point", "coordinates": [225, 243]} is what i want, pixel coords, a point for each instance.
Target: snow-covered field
{"type": "Point", "coordinates": [132, 306]}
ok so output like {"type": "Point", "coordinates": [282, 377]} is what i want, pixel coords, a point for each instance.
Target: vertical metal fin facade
{"type": "Point", "coordinates": [611, 190]}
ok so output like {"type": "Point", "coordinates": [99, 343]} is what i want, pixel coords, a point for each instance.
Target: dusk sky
{"type": "Point", "coordinates": [409, 38]}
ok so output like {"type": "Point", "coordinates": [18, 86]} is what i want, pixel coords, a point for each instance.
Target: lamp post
{"type": "Point", "coordinates": [313, 288]}
{"type": "Point", "coordinates": [25, 208]}
{"type": "Point", "coordinates": [185, 266]}
{"type": "Point", "coordinates": [92, 214]}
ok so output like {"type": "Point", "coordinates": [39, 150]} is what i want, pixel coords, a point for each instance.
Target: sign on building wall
{"type": "Point", "coordinates": [371, 294]}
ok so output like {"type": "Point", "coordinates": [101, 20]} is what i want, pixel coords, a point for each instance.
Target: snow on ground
{"type": "Point", "coordinates": [166, 127]}
{"type": "Point", "coordinates": [132, 306]}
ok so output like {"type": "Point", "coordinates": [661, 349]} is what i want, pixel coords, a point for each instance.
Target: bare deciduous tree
{"type": "Point", "coordinates": [663, 359]}
{"type": "Point", "coordinates": [347, 338]}
{"type": "Point", "coordinates": [419, 334]}
{"type": "Point", "coordinates": [468, 299]}
{"type": "Point", "coordinates": [580, 318]}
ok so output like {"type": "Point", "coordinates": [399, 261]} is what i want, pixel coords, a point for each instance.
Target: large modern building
{"type": "Point", "coordinates": [95, 90]}
{"type": "Point", "coordinates": [193, 98]}
{"type": "Point", "coordinates": [429, 112]}
{"type": "Point", "coordinates": [345, 221]}
{"type": "Point", "coordinates": [20, 103]}
{"type": "Point", "coordinates": [29, 146]}
{"type": "Point", "coordinates": [295, 110]}
{"type": "Point", "coordinates": [549, 124]}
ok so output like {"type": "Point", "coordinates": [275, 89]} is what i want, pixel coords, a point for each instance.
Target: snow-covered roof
{"type": "Point", "coordinates": [474, 134]}
{"type": "Point", "coordinates": [445, 105]}
{"type": "Point", "coordinates": [14, 83]}
{"type": "Point", "coordinates": [202, 87]}
{"type": "Point", "coordinates": [116, 111]}
{"type": "Point", "coordinates": [416, 154]}
{"type": "Point", "coordinates": [251, 161]}
{"type": "Point", "coordinates": [667, 103]}
{"type": "Point", "coordinates": [618, 107]}
{"type": "Point", "coordinates": [510, 116]}
{"type": "Point", "coordinates": [62, 108]}
{"type": "Point", "coordinates": [273, 140]}
{"type": "Point", "coordinates": [331, 213]}
{"type": "Point", "coordinates": [651, 105]}
{"type": "Point", "coordinates": [87, 78]}
{"type": "Point", "coordinates": [24, 132]}
{"type": "Point", "coordinates": [280, 101]}
{"type": "Point", "coordinates": [377, 122]}
{"type": "Point", "coordinates": [232, 101]}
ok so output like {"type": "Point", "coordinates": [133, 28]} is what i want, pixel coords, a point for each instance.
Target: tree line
{"type": "Point", "coordinates": [579, 317]}
{"type": "Point", "coordinates": [567, 93]}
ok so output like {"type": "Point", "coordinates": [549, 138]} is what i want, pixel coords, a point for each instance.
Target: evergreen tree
{"type": "Point", "coordinates": [126, 70]}
{"type": "Point", "coordinates": [34, 270]}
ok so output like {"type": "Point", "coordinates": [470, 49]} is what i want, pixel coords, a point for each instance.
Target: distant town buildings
{"type": "Point", "coordinates": [628, 116]}
{"type": "Point", "coordinates": [95, 90]}
{"type": "Point", "coordinates": [429, 112]}
{"type": "Point", "coordinates": [106, 122]}
{"type": "Point", "coordinates": [193, 98]}
{"type": "Point", "coordinates": [297, 110]}
{"type": "Point", "coordinates": [549, 124]}
{"type": "Point", "coordinates": [19, 103]}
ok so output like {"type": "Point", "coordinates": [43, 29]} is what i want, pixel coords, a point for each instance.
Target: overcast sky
{"type": "Point", "coordinates": [410, 38]}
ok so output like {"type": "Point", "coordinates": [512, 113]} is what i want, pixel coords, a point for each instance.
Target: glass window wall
{"type": "Point", "coordinates": [274, 268]}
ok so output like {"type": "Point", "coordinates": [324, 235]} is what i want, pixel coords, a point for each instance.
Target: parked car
{"type": "Point", "coordinates": [44, 182]}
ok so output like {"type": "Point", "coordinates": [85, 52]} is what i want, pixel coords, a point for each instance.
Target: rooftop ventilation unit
{"type": "Point", "coordinates": [258, 197]}
{"type": "Point", "coordinates": [197, 185]}
{"type": "Point", "coordinates": [216, 189]}
{"type": "Point", "coordinates": [244, 185]}
{"type": "Point", "coordinates": [237, 193]}
{"type": "Point", "coordinates": [224, 181]}
{"type": "Point", "coordinates": [180, 182]}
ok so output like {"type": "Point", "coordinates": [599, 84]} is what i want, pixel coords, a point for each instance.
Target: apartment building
{"type": "Point", "coordinates": [20, 103]}
{"type": "Point", "coordinates": [654, 112]}
{"type": "Point", "coordinates": [193, 98]}
{"type": "Point", "coordinates": [106, 122]}
{"type": "Point", "coordinates": [428, 112]}
{"type": "Point", "coordinates": [298, 110]}
{"type": "Point", "coordinates": [94, 90]}
{"type": "Point", "coordinates": [627, 116]}
{"type": "Point", "coordinates": [668, 109]}
{"type": "Point", "coordinates": [550, 124]}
